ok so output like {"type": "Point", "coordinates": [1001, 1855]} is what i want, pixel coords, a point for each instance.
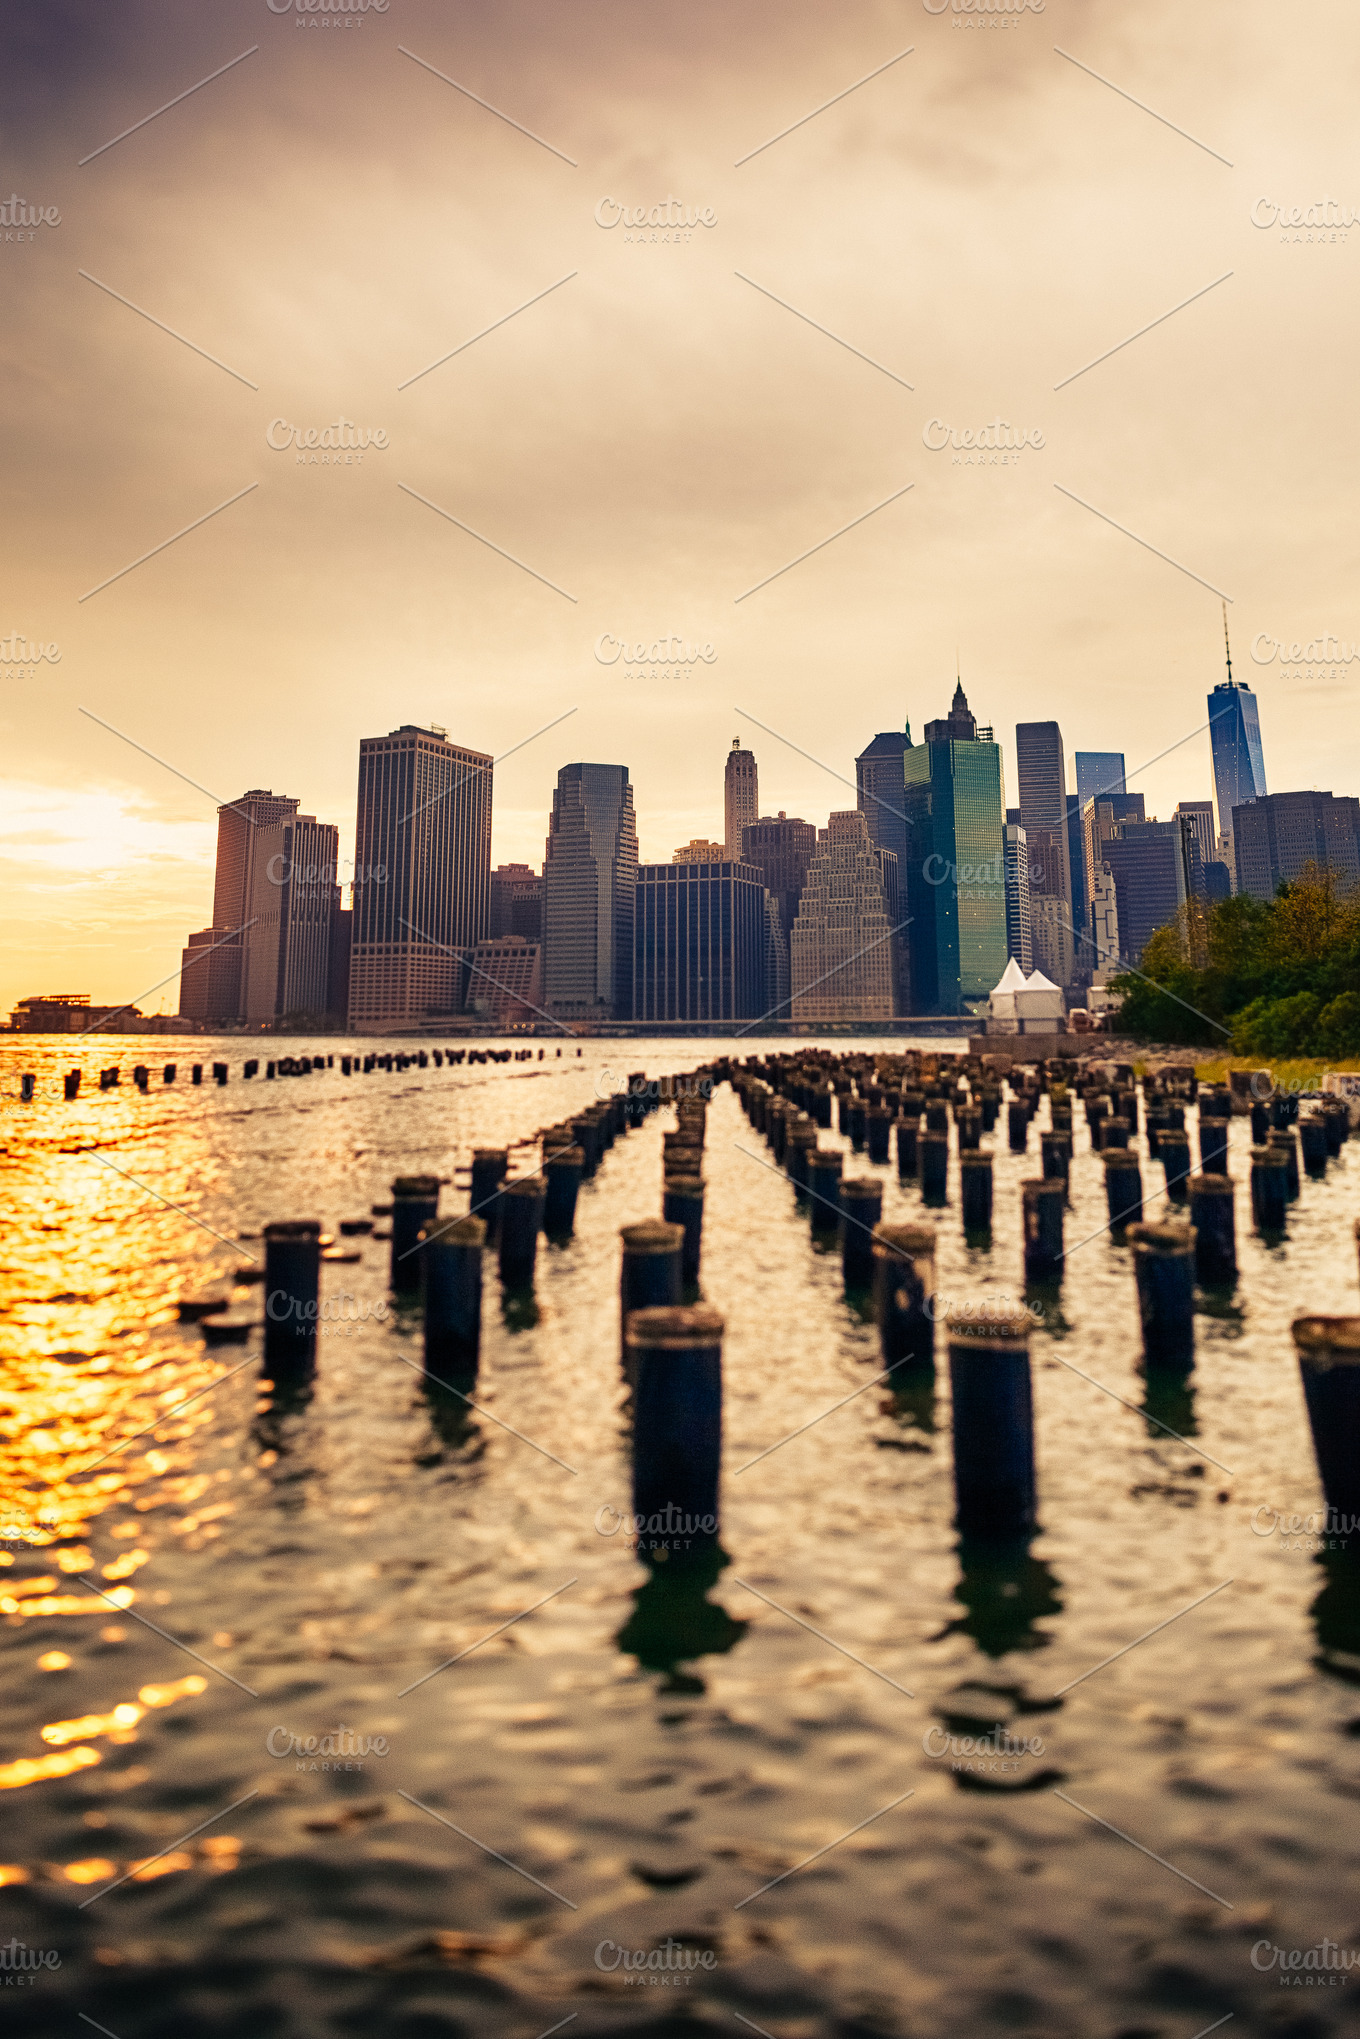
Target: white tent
{"type": "Point", "coordinates": [1039, 999]}
{"type": "Point", "coordinates": [1001, 1004]}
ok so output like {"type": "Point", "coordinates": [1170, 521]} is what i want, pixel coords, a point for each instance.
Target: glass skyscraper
{"type": "Point", "coordinates": [1099, 773]}
{"type": "Point", "coordinates": [956, 877]}
{"type": "Point", "coordinates": [1235, 736]}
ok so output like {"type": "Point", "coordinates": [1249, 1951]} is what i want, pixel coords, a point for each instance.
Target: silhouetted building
{"type": "Point", "coordinates": [211, 984]}
{"type": "Point", "coordinates": [505, 981]}
{"type": "Point", "coordinates": [1016, 854]}
{"type": "Point", "coordinates": [286, 944]}
{"type": "Point", "coordinates": [69, 1012]}
{"type": "Point", "coordinates": [1277, 834]}
{"type": "Point", "coordinates": [589, 878]}
{"type": "Point", "coordinates": [841, 961]}
{"type": "Point", "coordinates": [210, 976]}
{"type": "Point", "coordinates": [422, 874]}
{"type": "Point", "coordinates": [1144, 859]}
{"type": "Point", "coordinates": [516, 903]}
{"type": "Point", "coordinates": [741, 797]}
{"type": "Point", "coordinates": [956, 881]}
{"type": "Point", "coordinates": [781, 847]}
{"type": "Point", "coordinates": [699, 936]}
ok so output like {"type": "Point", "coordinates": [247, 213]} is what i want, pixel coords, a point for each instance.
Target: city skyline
{"type": "Point", "coordinates": [291, 619]}
{"type": "Point", "coordinates": [773, 758]}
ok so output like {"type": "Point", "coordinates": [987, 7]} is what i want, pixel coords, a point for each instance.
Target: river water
{"type": "Point", "coordinates": [198, 1575]}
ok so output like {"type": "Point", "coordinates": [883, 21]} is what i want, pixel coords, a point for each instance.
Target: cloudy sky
{"type": "Point", "coordinates": [657, 435]}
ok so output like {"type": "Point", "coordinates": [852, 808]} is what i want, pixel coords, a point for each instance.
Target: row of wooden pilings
{"type": "Point", "coordinates": [991, 1389]}
{"type": "Point", "coordinates": [395, 1060]}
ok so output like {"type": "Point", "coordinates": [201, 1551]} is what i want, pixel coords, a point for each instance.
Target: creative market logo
{"type": "Point", "coordinates": [985, 13]}
{"type": "Point", "coordinates": [328, 13]}
{"type": "Point", "coordinates": [998, 444]}
{"type": "Point", "coordinates": [664, 658]}
{"type": "Point", "coordinates": [670, 1965]}
{"type": "Point", "coordinates": [20, 656]}
{"type": "Point", "coordinates": [1326, 219]}
{"type": "Point", "coordinates": [341, 444]}
{"type": "Point", "coordinates": [19, 221]}
{"type": "Point", "coordinates": [1323, 1966]}
{"type": "Point", "coordinates": [669, 220]}
{"type": "Point", "coordinates": [1321, 658]}
{"type": "Point", "coordinates": [20, 1964]}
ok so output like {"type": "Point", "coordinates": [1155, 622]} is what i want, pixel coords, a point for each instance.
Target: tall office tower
{"type": "Point", "coordinates": [841, 952]}
{"type": "Point", "coordinates": [210, 976]}
{"type": "Point", "coordinates": [1099, 774]}
{"type": "Point", "coordinates": [1099, 821]}
{"type": "Point", "coordinates": [589, 877]}
{"type": "Point", "coordinates": [1198, 816]}
{"type": "Point", "coordinates": [1043, 810]}
{"type": "Point", "coordinates": [781, 847]}
{"type": "Point", "coordinates": [1235, 739]}
{"type": "Point", "coordinates": [881, 783]}
{"type": "Point", "coordinates": [699, 850]}
{"type": "Point", "coordinates": [778, 988]}
{"type": "Point", "coordinates": [1016, 855]}
{"type": "Point", "coordinates": [956, 875]}
{"type": "Point", "coordinates": [880, 779]}
{"type": "Point", "coordinates": [516, 902]}
{"type": "Point", "coordinates": [286, 944]}
{"type": "Point", "coordinates": [422, 870]}
{"type": "Point", "coordinates": [699, 942]}
{"type": "Point", "coordinates": [1144, 859]}
{"type": "Point", "coordinates": [741, 800]}
{"type": "Point", "coordinates": [210, 983]}
{"type": "Point", "coordinates": [1277, 834]}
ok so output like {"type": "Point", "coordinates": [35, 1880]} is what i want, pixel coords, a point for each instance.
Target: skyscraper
{"type": "Point", "coordinates": [741, 799]}
{"type": "Point", "coordinates": [210, 971]}
{"type": "Point", "coordinates": [1043, 810]}
{"type": "Point", "coordinates": [1099, 773]}
{"type": "Point", "coordinates": [294, 900]}
{"type": "Point", "coordinates": [516, 903]}
{"type": "Point", "coordinates": [956, 880]}
{"type": "Point", "coordinates": [1235, 739]}
{"type": "Point", "coordinates": [841, 953]}
{"type": "Point", "coordinates": [699, 942]}
{"type": "Point", "coordinates": [881, 784]}
{"type": "Point", "coordinates": [1144, 859]}
{"type": "Point", "coordinates": [1275, 836]}
{"type": "Point", "coordinates": [1016, 853]}
{"type": "Point", "coordinates": [781, 847]}
{"type": "Point", "coordinates": [422, 874]}
{"type": "Point", "coordinates": [589, 878]}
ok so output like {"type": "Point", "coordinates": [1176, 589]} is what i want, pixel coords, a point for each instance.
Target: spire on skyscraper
{"type": "Point", "coordinates": [1226, 646]}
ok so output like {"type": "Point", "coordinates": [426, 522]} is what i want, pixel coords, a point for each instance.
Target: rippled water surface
{"type": "Point", "coordinates": [217, 1573]}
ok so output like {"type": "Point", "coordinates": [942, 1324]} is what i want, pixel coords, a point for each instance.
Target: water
{"type": "Point", "coordinates": [648, 1753]}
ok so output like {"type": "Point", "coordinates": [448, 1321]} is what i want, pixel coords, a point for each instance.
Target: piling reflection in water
{"type": "Point", "coordinates": [674, 1621]}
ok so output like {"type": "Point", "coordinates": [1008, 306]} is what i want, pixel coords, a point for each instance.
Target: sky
{"type": "Point", "coordinates": [899, 225]}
